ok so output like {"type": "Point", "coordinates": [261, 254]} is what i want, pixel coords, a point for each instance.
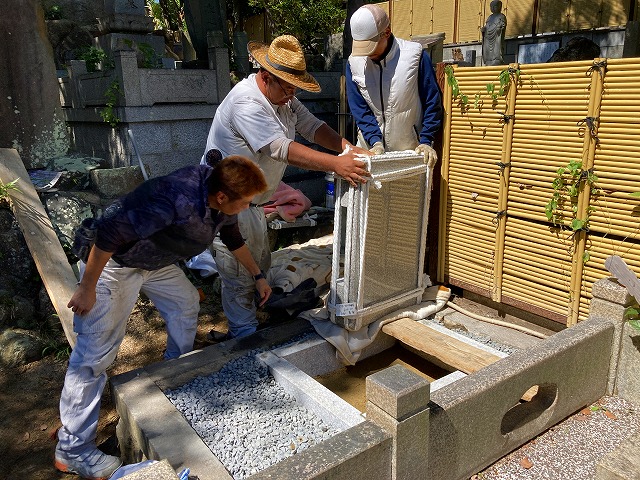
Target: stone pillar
{"type": "Point", "coordinates": [127, 74]}
{"type": "Point", "coordinates": [219, 61]}
{"type": "Point", "coordinates": [240, 41]}
{"type": "Point", "coordinates": [397, 401]}
{"type": "Point", "coordinates": [610, 301]}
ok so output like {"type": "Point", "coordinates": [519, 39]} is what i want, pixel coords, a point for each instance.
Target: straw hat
{"type": "Point", "coordinates": [285, 59]}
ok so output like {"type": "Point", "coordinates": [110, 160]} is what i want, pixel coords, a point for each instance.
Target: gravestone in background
{"type": "Point", "coordinates": [536, 52]}
{"type": "Point", "coordinates": [204, 16]}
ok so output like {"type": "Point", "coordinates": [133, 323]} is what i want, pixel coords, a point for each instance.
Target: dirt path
{"type": "Point", "coordinates": [29, 395]}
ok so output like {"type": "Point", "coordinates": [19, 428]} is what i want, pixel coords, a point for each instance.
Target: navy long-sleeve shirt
{"type": "Point", "coordinates": [164, 220]}
{"type": "Point", "coordinates": [430, 99]}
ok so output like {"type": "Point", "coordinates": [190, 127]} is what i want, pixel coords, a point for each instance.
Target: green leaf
{"type": "Point", "coordinates": [586, 256]}
{"type": "Point", "coordinates": [490, 87]}
{"type": "Point", "coordinates": [635, 324]}
{"type": "Point", "coordinates": [632, 312]}
{"type": "Point", "coordinates": [548, 211]}
{"type": "Point", "coordinates": [634, 194]}
{"type": "Point", "coordinates": [577, 224]}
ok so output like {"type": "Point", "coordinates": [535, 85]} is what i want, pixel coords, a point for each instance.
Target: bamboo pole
{"type": "Point", "coordinates": [503, 195]}
{"type": "Point", "coordinates": [444, 189]}
{"type": "Point", "coordinates": [342, 117]}
{"type": "Point", "coordinates": [584, 195]}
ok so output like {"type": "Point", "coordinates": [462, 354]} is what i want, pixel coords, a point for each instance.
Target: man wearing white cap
{"type": "Point", "coordinates": [391, 88]}
{"type": "Point", "coordinates": [259, 119]}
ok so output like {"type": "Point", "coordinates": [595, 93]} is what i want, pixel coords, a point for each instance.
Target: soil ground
{"type": "Point", "coordinates": [29, 395]}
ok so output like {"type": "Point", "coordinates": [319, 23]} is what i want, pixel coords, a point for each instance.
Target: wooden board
{"type": "Point", "coordinates": [619, 269]}
{"type": "Point", "coordinates": [41, 238]}
{"type": "Point", "coordinates": [447, 349]}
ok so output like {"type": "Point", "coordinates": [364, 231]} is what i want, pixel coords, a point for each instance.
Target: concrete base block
{"type": "Point", "coordinates": [623, 463]}
{"type": "Point", "coordinates": [156, 471]}
{"type": "Point", "coordinates": [467, 425]}
{"type": "Point", "coordinates": [410, 446]}
{"type": "Point", "coordinates": [473, 420]}
{"type": "Point", "coordinates": [627, 379]}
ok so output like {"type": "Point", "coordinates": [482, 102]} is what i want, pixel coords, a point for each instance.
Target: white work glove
{"type": "Point", "coordinates": [377, 148]}
{"type": "Point", "coordinates": [430, 155]}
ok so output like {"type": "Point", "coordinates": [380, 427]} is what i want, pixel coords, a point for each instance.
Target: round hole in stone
{"type": "Point", "coordinates": [526, 412]}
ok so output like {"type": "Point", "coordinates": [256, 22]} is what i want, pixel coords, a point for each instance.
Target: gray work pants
{"type": "Point", "coordinates": [101, 331]}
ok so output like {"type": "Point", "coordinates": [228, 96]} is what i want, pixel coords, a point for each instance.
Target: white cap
{"type": "Point", "coordinates": [367, 23]}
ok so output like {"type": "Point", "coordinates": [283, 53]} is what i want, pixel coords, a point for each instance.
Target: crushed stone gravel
{"type": "Point", "coordinates": [246, 418]}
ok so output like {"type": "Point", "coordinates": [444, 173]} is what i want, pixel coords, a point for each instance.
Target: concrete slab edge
{"type": "Point", "coordinates": [312, 395]}
{"type": "Point", "coordinates": [146, 415]}
{"type": "Point", "coordinates": [363, 452]}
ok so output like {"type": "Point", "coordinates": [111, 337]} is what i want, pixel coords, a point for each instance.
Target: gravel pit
{"type": "Point", "coordinates": [246, 418]}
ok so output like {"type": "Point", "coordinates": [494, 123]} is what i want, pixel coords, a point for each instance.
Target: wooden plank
{"type": "Point", "coordinates": [41, 238]}
{"type": "Point", "coordinates": [445, 348]}
{"type": "Point", "coordinates": [619, 269]}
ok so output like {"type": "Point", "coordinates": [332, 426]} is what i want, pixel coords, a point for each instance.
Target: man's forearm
{"type": "Point", "coordinates": [95, 264]}
{"type": "Point", "coordinates": [310, 159]}
{"type": "Point", "coordinates": [328, 138]}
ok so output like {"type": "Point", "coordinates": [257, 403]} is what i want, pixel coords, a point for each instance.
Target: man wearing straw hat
{"type": "Point", "coordinates": [259, 119]}
{"type": "Point", "coordinates": [391, 88]}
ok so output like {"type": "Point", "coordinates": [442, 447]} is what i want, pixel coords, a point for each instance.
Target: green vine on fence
{"type": "Point", "coordinates": [108, 113]}
{"type": "Point", "coordinates": [504, 79]}
{"type": "Point", "coordinates": [566, 187]}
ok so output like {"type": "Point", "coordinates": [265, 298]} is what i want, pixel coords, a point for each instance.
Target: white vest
{"type": "Point", "coordinates": [391, 91]}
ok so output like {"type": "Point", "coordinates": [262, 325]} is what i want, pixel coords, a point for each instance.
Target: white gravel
{"type": "Point", "coordinates": [247, 419]}
{"type": "Point", "coordinates": [571, 449]}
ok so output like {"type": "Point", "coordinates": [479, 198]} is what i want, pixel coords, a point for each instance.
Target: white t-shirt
{"type": "Point", "coordinates": [246, 122]}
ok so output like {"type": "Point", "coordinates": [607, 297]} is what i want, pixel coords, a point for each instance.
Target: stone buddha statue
{"type": "Point", "coordinates": [493, 35]}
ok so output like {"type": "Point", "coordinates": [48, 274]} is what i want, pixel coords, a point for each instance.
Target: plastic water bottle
{"type": "Point", "coordinates": [329, 197]}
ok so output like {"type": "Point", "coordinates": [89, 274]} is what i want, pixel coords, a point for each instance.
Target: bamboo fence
{"type": "Point", "coordinates": [501, 154]}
